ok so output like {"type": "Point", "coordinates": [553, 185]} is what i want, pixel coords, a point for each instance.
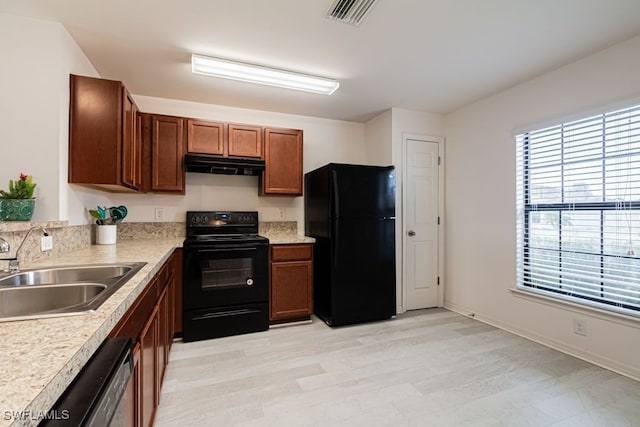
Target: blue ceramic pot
{"type": "Point", "coordinates": [16, 209]}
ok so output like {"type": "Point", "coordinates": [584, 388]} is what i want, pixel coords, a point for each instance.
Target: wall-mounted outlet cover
{"type": "Point", "coordinates": [282, 213]}
{"type": "Point", "coordinates": [46, 243]}
{"type": "Point", "coordinates": [158, 213]}
{"type": "Point", "coordinates": [580, 327]}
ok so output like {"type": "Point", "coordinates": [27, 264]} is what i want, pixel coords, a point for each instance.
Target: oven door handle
{"type": "Point", "coordinates": [234, 249]}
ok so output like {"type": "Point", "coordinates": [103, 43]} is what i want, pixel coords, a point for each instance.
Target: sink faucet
{"type": "Point", "coordinates": [14, 263]}
{"type": "Point", "coordinates": [4, 246]}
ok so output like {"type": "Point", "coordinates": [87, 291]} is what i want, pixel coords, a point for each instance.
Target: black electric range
{"type": "Point", "coordinates": [225, 275]}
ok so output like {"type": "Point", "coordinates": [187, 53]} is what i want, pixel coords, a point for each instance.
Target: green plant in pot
{"type": "Point", "coordinates": [107, 220]}
{"type": "Point", "coordinates": [18, 203]}
{"type": "Point", "coordinates": [115, 214]}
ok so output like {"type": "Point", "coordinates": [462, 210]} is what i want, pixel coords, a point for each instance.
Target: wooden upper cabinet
{"type": "Point", "coordinates": [245, 141]}
{"type": "Point", "coordinates": [102, 135]}
{"type": "Point", "coordinates": [225, 140]}
{"type": "Point", "coordinates": [167, 154]}
{"type": "Point", "coordinates": [205, 137]}
{"type": "Point", "coordinates": [283, 162]}
{"type": "Point", "coordinates": [131, 143]}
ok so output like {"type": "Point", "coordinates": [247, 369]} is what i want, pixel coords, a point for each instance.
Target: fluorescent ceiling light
{"type": "Point", "coordinates": [227, 69]}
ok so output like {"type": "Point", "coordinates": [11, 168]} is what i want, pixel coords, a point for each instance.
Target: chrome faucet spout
{"type": "Point", "coordinates": [4, 246]}
{"type": "Point", "coordinates": [14, 263]}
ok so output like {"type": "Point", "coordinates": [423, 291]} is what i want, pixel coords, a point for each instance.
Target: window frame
{"type": "Point", "coordinates": [526, 207]}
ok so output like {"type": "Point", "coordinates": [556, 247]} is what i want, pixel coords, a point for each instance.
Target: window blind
{"type": "Point", "coordinates": [578, 210]}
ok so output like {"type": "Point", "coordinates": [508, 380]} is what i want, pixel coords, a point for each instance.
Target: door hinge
{"type": "Point", "coordinates": [438, 220]}
{"type": "Point", "coordinates": [438, 280]}
{"type": "Point", "coordinates": [439, 160]}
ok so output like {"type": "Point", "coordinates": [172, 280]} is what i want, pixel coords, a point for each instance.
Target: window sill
{"type": "Point", "coordinates": [608, 315]}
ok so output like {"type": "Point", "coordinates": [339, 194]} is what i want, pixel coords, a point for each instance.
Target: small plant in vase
{"type": "Point", "coordinates": [107, 220]}
{"type": "Point", "coordinates": [116, 214]}
{"type": "Point", "coordinates": [18, 203]}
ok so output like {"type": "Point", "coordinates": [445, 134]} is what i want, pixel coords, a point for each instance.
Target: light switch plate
{"type": "Point", "coordinates": [46, 243]}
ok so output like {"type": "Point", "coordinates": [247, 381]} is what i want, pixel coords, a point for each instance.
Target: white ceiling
{"type": "Point", "coordinates": [426, 55]}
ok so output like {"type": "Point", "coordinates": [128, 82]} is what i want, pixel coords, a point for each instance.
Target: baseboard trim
{"type": "Point", "coordinates": [603, 362]}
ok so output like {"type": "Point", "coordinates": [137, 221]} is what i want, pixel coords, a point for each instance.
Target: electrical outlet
{"type": "Point", "coordinates": [46, 243]}
{"type": "Point", "coordinates": [159, 213]}
{"type": "Point", "coordinates": [580, 327]}
{"type": "Point", "coordinates": [282, 213]}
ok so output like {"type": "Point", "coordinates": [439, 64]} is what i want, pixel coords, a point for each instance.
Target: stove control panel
{"type": "Point", "coordinates": [218, 219]}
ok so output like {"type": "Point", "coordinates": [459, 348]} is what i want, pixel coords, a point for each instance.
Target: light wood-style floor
{"type": "Point", "coordinates": [427, 368]}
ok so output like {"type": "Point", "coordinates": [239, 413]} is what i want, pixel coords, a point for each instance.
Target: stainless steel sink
{"type": "Point", "coordinates": [61, 291]}
{"type": "Point", "coordinates": [70, 274]}
{"type": "Point", "coordinates": [26, 301]}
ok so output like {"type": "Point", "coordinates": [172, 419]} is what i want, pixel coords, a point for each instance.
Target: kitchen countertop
{"type": "Point", "coordinates": [288, 239]}
{"type": "Point", "coordinates": [41, 357]}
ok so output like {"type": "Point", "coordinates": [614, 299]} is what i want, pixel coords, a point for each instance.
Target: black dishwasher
{"type": "Point", "coordinates": [95, 397]}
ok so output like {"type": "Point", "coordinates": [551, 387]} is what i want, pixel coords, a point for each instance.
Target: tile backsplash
{"type": "Point", "coordinates": [69, 238]}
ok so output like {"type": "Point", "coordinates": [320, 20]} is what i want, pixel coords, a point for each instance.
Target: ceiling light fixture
{"type": "Point", "coordinates": [233, 70]}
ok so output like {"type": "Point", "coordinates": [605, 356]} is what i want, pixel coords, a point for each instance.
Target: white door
{"type": "Point", "coordinates": [420, 224]}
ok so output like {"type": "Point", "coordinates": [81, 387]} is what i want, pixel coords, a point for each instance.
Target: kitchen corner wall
{"type": "Point", "coordinates": [37, 57]}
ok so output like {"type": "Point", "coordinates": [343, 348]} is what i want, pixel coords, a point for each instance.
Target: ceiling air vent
{"type": "Point", "coordinates": [350, 12]}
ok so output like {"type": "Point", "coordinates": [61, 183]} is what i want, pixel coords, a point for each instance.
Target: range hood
{"type": "Point", "coordinates": [206, 163]}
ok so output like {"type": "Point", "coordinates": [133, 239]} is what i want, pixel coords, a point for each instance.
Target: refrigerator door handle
{"type": "Point", "coordinates": [335, 243]}
{"type": "Point", "coordinates": [336, 199]}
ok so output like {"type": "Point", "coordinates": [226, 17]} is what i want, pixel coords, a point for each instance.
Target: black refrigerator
{"type": "Point", "coordinates": [350, 211]}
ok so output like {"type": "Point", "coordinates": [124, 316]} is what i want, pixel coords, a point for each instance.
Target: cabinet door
{"type": "Point", "coordinates": [177, 277]}
{"type": "Point", "coordinates": [291, 290]}
{"type": "Point", "coordinates": [95, 131]}
{"type": "Point", "coordinates": [131, 144]}
{"type": "Point", "coordinates": [148, 370]}
{"type": "Point", "coordinates": [167, 154]}
{"type": "Point", "coordinates": [205, 137]}
{"type": "Point", "coordinates": [163, 334]}
{"type": "Point", "coordinates": [283, 162]}
{"type": "Point", "coordinates": [245, 141]}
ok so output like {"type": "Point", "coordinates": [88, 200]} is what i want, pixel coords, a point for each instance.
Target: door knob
{"type": "Point", "coordinates": [411, 233]}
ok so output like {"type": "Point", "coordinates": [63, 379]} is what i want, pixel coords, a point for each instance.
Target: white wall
{"type": "Point", "coordinates": [37, 57]}
{"type": "Point", "coordinates": [480, 204]}
{"type": "Point", "coordinates": [379, 136]}
{"type": "Point", "coordinates": [324, 141]}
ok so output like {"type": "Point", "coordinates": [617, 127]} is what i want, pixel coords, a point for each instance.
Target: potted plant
{"type": "Point", "coordinates": [18, 203]}
{"type": "Point", "coordinates": [107, 220]}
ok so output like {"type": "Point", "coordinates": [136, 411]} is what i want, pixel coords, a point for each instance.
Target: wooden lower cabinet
{"type": "Point", "coordinates": [148, 366]}
{"type": "Point", "coordinates": [150, 324]}
{"type": "Point", "coordinates": [177, 292]}
{"type": "Point", "coordinates": [291, 283]}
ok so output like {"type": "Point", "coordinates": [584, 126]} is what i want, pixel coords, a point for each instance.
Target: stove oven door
{"type": "Point", "coordinates": [225, 275]}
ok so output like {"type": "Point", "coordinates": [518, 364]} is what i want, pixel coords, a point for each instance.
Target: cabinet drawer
{"type": "Point", "coordinates": [291, 252]}
{"type": "Point", "coordinates": [132, 323]}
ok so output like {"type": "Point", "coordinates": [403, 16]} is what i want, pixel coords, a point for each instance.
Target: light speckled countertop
{"type": "Point", "coordinates": [289, 239]}
{"type": "Point", "coordinates": [41, 357]}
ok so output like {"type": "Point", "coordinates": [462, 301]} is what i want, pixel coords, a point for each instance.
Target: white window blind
{"type": "Point", "coordinates": [578, 207]}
